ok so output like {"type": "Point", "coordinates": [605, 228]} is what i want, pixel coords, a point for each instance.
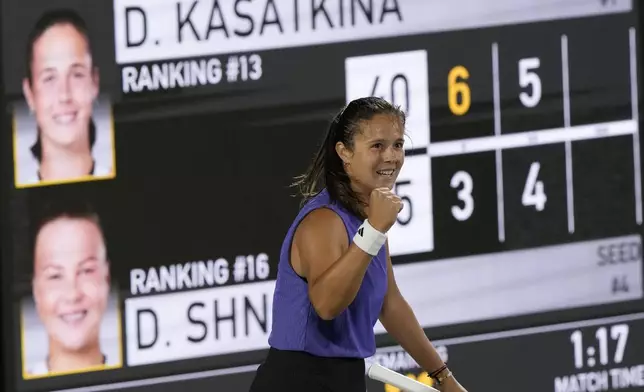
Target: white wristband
{"type": "Point", "coordinates": [369, 239]}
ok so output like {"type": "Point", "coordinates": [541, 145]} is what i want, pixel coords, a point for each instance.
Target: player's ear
{"type": "Point", "coordinates": [108, 275]}
{"type": "Point", "coordinates": [343, 152]}
{"type": "Point", "coordinates": [26, 90]}
{"type": "Point", "coordinates": [96, 82]}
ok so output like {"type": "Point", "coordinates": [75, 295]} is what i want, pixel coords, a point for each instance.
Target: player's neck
{"type": "Point", "coordinates": [61, 360]}
{"type": "Point", "coordinates": [58, 162]}
{"type": "Point", "coordinates": [364, 201]}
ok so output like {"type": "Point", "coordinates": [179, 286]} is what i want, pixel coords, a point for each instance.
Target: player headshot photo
{"type": "Point", "coordinates": [71, 323]}
{"type": "Point", "coordinates": [63, 130]}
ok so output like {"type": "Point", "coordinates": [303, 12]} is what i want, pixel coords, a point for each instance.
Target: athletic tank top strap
{"type": "Point", "coordinates": [295, 323]}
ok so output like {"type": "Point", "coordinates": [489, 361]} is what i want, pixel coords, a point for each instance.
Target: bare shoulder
{"type": "Point", "coordinates": [321, 220]}
{"type": "Point", "coordinates": [319, 240]}
{"type": "Point", "coordinates": [323, 226]}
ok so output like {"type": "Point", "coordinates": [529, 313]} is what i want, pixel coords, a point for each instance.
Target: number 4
{"type": "Point", "coordinates": [533, 192]}
{"type": "Point", "coordinates": [620, 284]}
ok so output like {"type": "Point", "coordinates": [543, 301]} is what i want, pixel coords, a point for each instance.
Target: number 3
{"type": "Point", "coordinates": [464, 194]}
{"type": "Point", "coordinates": [527, 77]}
{"type": "Point", "coordinates": [255, 62]}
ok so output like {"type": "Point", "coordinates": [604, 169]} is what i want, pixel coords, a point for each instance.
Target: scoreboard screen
{"type": "Point", "coordinates": [150, 146]}
{"type": "Point", "coordinates": [588, 355]}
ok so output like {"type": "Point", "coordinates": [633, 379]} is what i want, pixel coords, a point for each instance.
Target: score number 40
{"type": "Point", "coordinates": [533, 195]}
{"type": "Point", "coordinates": [459, 94]}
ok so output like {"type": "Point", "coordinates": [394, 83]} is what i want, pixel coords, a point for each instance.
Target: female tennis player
{"type": "Point", "coordinates": [71, 288]}
{"type": "Point", "coordinates": [61, 87]}
{"type": "Point", "coordinates": [335, 278]}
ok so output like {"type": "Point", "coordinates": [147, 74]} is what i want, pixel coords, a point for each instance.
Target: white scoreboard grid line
{"type": "Point", "coordinates": [497, 133]}
{"type": "Point", "coordinates": [533, 138]}
{"type": "Point", "coordinates": [635, 117]}
{"type": "Point", "coordinates": [565, 80]}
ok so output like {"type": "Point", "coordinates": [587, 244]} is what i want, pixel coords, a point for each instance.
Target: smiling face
{"type": "Point", "coordinates": [71, 281]}
{"type": "Point", "coordinates": [63, 85]}
{"type": "Point", "coordinates": [377, 154]}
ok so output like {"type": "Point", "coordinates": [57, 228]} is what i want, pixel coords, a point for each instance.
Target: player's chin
{"type": "Point", "coordinates": [66, 136]}
{"type": "Point", "coordinates": [385, 182]}
{"type": "Point", "coordinates": [73, 343]}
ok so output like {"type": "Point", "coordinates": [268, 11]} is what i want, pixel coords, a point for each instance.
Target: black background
{"type": "Point", "coordinates": [525, 226]}
{"type": "Point", "coordinates": [465, 237]}
{"type": "Point", "coordinates": [204, 173]}
{"type": "Point", "coordinates": [547, 47]}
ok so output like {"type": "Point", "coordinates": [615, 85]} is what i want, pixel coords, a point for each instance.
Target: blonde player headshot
{"type": "Point", "coordinates": [71, 294]}
{"type": "Point", "coordinates": [56, 137]}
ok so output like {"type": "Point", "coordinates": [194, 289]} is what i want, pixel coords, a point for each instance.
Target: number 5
{"type": "Point", "coordinates": [527, 77]}
{"type": "Point", "coordinates": [406, 200]}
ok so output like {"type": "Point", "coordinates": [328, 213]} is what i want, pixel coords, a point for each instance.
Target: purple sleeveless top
{"type": "Point", "coordinates": [296, 325]}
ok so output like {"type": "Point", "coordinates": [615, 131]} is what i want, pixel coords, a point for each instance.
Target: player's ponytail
{"type": "Point", "coordinates": [327, 169]}
{"type": "Point", "coordinates": [313, 180]}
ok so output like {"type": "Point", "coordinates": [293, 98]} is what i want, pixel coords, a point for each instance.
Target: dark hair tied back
{"type": "Point", "coordinates": [327, 169]}
{"type": "Point", "coordinates": [46, 21]}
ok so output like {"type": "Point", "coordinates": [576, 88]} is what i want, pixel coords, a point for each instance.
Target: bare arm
{"type": "Point", "coordinates": [400, 322]}
{"type": "Point", "coordinates": [333, 267]}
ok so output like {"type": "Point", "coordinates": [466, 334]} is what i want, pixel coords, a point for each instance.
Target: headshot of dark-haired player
{"type": "Point", "coordinates": [71, 292]}
{"type": "Point", "coordinates": [61, 87]}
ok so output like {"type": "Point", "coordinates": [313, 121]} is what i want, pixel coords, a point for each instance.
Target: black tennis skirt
{"type": "Point", "coordinates": [297, 371]}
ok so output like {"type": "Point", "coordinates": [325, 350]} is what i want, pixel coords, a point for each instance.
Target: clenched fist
{"type": "Point", "coordinates": [384, 206]}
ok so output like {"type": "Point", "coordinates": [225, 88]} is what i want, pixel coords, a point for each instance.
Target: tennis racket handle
{"type": "Point", "coordinates": [388, 376]}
